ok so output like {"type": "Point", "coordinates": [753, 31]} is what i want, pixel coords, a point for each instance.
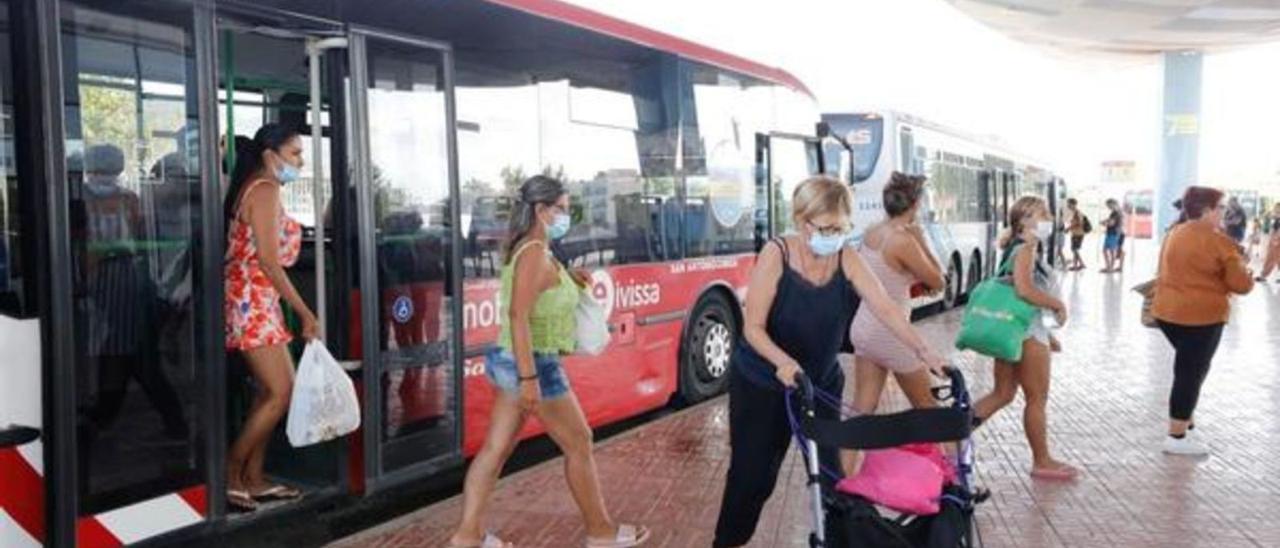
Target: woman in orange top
{"type": "Point", "coordinates": [1200, 267]}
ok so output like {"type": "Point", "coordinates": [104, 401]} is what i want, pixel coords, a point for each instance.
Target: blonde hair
{"type": "Point", "coordinates": [1024, 208]}
{"type": "Point", "coordinates": [821, 195]}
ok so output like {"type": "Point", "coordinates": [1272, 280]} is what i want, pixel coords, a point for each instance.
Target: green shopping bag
{"type": "Point", "coordinates": [996, 320]}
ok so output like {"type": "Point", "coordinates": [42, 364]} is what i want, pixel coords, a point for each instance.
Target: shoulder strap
{"type": "Point", "coordinates": [526, 245]}
{"type": "Point", "coordinates": [786, 253]}
{"type": "Point", "coordinates": [1006, 266]}
{"type": "Point", "coordinates": [840, 264]}
{"type": "Point", "coordinates": [243, 193]}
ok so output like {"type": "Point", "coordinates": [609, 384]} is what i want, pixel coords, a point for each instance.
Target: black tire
{"type": "Point", "coordinates": [705, 350]}
{"type": "Point", "coordinates": [975, 274]}
{"type": "Point", "coordinates": [951, 294]}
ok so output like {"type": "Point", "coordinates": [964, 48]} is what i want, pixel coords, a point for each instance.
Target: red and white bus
{"type": "Point", "coordinates": [1138, 213]}
{"type": "Point", "coordinates": [420, 118]}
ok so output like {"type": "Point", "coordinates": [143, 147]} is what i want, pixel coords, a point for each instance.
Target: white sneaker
{"type": "Point", "coordinates": [1188, 445]}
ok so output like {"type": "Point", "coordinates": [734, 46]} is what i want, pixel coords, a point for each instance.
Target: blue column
{"type": "Point", "coordinates": [1180, 134]}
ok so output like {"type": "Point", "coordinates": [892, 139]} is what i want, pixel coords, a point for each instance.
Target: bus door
{"type": "Point", "coordinates": [783, 161]}
{"type": "Point", "coordinates": [992, 207]}
{"type": "Point", "coordinates": [1057, 201]}
{"type": "Point", "coordinates": [404, 163]}
{"type": "Point", "coordinates": [23, 487]}
{"type": "Point", "coordinates": [290, 72]}
{"type": "Point", "coordinates": [374, 200]}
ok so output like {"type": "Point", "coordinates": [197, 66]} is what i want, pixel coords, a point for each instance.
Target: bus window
{"type": "Point", "coordinates": [497, 150]}
{"type": "Point", "coordinates": [133, 180]}
{"type": "Point", "coordinates": [13, 301]}
{"type": "Point", "coordinates": [718, 164]}
{"type": "Point", "coordinates": [620, 210]}
{"type": "Point", "coordinates": [791, 162]}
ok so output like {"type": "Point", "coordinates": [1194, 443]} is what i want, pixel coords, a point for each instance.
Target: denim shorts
{"type": "Point", "coordinates": [1113, 241]}
{"type": "Point", "coordinates": [500, 366]}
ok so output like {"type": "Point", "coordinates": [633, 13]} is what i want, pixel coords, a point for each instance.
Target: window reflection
{"type": "Point", "coordinates": [613, 146]}
{"type": "Point", "coordinates": [409, 153]}
{"type": "Point", "coordinates": [954, 180]}
{"type": "Point", "coordinates": [12, 298]}
{"type": "Point", "coordinates": [791, 163]}
{"type": "Point", "coordinates": [722, 204]}
{"type": "Point", "coordinates": [132, 169]}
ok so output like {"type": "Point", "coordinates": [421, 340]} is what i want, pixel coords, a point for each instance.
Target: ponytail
{"type": "Point", "coordinates": [535, 190]}
{"type": "Point", "coordinates": [249, 163]}
{"type": "Point", "coordinates": [1022, 209]}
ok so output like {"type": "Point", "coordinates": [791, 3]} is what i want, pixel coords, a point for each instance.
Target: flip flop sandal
{"type": "Point", "coordinates": [627, 536]}
{"type": "Point", "coordinates": [277, 492]}
{"type": "Point", "coordinates": [490, 540]}
{"type": "Point", "coordinates": [240, 500]}
{"type": "Point", "coordinates": [1065, 472]}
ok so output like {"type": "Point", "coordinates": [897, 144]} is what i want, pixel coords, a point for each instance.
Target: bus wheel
{"type": "Point", "coordinates": [975, 275]}
{"type": "Point", "coordinates": [951, 296]}
{"type": "Point", "coordinates": [704, 362]}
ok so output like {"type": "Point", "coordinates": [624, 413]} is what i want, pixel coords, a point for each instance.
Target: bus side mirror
{"type": "Point", "coordinates": [846, 154]}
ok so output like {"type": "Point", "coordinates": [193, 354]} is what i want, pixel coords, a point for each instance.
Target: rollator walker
{"type": "Point", "coordinates": [843, 520]}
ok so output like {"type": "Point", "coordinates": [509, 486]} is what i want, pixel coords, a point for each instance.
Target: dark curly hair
{"type": "Point", "coordinates": [902, 193]}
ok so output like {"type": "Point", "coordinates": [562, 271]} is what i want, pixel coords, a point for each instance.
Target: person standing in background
{"type": "Point", "coordinates": [1235, 220]}
{"type": "Point", "coordinates": [1272, 253]}
{"type": "Point", "coordinates": [1075, 226]}
{"type": "Point", "coordinates": [1255, 239]}
{"type": "Point", "coordinates": [1113, 244]}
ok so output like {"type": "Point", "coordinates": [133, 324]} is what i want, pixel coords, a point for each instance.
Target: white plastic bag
{"type": "Point", "coordinates": [324, 404]}
{"type": "Point", "coordinates": [592, 330]}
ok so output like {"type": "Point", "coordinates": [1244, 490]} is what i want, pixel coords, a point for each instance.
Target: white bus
{"type": "Point", "coordinates": [972, 183]}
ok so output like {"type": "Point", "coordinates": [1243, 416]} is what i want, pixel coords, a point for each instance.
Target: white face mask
{"type": "Point", "coordinates": [1044, 230]}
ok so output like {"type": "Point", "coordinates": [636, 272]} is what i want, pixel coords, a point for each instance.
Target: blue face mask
{"type": "Point", "coordinates": [823, 246]}
{"type": "Point", "coordinates": [287, 173]}
{"type": "Point", "coordinates": [559, 226]}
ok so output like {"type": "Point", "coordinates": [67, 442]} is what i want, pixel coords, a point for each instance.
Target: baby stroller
{"type": "Point", "coordinates": [842, 520]}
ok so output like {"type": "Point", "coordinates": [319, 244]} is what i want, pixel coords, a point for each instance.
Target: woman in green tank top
{"type": "Point", "coordinates": [539, 296]}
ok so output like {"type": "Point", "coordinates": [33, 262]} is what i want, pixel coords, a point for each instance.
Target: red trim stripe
{"type": "Point", "coordinates": [90, 533]}
{"type": "Point", "coordinates": [595, 21]}
{"type": "Point", "coordinates": [197, 498]}
{"type": "Point", "coordinates": [22, 492]}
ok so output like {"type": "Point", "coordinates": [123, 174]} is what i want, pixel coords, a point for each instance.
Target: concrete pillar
{"type": "Point", "coordinates": [1180, 135]}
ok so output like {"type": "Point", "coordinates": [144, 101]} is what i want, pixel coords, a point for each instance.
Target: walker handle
{"type": "Point", "coordinates": [805, 387]}
{"type": "Point", "coordinates": [956, 388]}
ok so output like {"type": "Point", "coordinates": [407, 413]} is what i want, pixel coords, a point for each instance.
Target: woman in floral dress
{"type": "Point", "coordinates": [261, 241]}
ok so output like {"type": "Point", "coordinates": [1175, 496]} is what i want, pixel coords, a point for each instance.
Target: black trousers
{"type": "Point", "coordinates": [1194, 347]}
{"type": "Point", "coordinates": [759, 436]}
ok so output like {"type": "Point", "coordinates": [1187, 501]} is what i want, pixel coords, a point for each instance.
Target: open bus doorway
{"type": "Point", "coordinates": [264, 76]}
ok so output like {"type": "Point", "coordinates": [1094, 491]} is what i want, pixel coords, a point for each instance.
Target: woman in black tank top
{"type": "Point", "coordinates": [803, 294]}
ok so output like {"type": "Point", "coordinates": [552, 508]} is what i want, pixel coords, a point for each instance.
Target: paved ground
{"type": "Point", "coordinates": [1106, 415]}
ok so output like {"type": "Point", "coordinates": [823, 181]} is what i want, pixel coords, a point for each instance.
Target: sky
{"type": "Point", "coordinates": [926, 58]}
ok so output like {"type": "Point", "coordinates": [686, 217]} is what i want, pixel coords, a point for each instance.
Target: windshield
{"type": "Point", "coordinates": [865, 133]}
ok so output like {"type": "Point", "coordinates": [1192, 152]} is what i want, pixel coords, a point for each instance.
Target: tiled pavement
{"type": "Point", "coordinates": [1107, 409]}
